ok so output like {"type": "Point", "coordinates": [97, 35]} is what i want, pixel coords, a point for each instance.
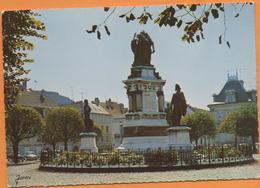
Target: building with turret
{"type": "Point", "coordinates": [232, 96]}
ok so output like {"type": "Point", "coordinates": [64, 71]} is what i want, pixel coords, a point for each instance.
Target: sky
{"type": "Point", "coordinates": [78, 65]}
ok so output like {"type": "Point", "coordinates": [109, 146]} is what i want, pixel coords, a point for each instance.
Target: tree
{"type": "Point", "coordinates": [228, 125]}
{"type": "Point", "coordinates": [190, 18]}
{"type": "Point", "coordinates": [22, 123]}
{"type": "Point", "coordinates": [201, 124]}
{"type": "Point", "coordinates": [242, 122]}
{"type": "Point", "coordinates": [48, 137]}
{"type": "Point", "coordinates": [65, 122]}
{"type": "Point", "coordinates": [18, 26]}
{"type": "Point", "coordinates": [247, 122]}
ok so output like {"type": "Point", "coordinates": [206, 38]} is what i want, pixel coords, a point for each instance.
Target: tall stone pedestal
{"type": "Point", "coordinates": [179, 137]}
{"type": "Point", "coordinates": [88, 142]}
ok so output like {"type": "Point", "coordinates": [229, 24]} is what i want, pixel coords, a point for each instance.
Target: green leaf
{"type": "Point", "coordinates": [218, 4]}
{"type": "Point", "coordinates": [94, 27]}
{"type": "Point", "coordinates": [206, 14]}
{"type": "Point", "coordinates": [107, 31]}
{"type": "Point", "coordinates": [205, 19]}
{"type": "Point", "coordinates": [214, 13]}
{"type": "Point", "coordinates": [222, 9]}
{"type": "Point", "coordinates": [149, 15]}
{"type": "Point", "coordinates": [131, 17]}
{"type": "Point", "coordinates": [193, 7]}
{"type": "Point", "coordinates": [202, 36]}
{"type": "Point", "coordinates": [198, 38]}
{"type": "Point", "coordinates": [228, 44]}
{"type": "Point", "coordinates": [180, 6]}
{"type": "Point", "coordinates": [179, 23]}
{"type": "Point", "coordinates": [106, 9]}
{"type": "Point", "coordinates": [98, 35]}
{"type": "Point", "coordinates": [236, 15]}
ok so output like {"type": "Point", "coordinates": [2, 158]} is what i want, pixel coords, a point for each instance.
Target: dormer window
{"type": "Point", "coordinates": [230, 96]}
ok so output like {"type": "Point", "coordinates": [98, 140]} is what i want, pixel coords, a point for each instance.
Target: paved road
{"type": "Point", "coordinates": [30, 176]}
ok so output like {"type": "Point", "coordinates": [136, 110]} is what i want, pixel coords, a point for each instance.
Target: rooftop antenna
{"type": "Point", "coordinates": [83, 95]}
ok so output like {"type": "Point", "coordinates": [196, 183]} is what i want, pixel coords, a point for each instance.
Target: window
{"type": "Point", "coordinates": [230, 96]}
{"type": "Point", "coordinates": [107, 129]}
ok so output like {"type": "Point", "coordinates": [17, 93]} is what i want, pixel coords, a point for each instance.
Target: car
{"type": "Point", "coordinates": [10, 157]}
{"type": "Point", "coordinates": [31, 156]}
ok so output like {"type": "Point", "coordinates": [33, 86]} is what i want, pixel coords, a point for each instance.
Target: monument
{"type": "Point", "coordinates": [146, 125]}
{"type": "Point", "coordinates": [178, 134]}
{"type": "Point", "coordinates": [88, 138]}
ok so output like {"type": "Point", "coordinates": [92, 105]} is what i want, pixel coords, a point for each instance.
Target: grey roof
{"type": "Point", "coordinates": [94, 108]}
{"type": "Point", "coordinates": [55, 96]}
{"type": "Point", "coordinates": [32, 98]}
{"type": "Point", "coordinates": [237, 87]}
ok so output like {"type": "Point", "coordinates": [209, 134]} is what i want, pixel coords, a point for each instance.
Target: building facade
{"type": "Point", "coordinates": [117, 111]}
{"type": "Point", "coordinates": [232, 97]}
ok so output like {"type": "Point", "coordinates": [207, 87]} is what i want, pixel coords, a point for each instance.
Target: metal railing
{"type": "Point", "coordinates": [196, 156]}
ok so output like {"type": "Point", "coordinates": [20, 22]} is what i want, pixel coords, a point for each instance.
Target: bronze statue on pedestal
{"type": "Point", "coordinates": [178, 106]}
{"type": "Point", "coordinates": [142, 47]}
{"type": "Point", "coordinates": [87, 121]}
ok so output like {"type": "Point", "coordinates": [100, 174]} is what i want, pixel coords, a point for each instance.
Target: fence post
{"type": "Point", "coordinates": [209, 153]}
{"type": "Point", "coordinates": [222, 153]}
{"type": "Point", "coordinates": [181, 154]}
{"type": "Point", "coordinates": [118, 156]}
{"type": "Point", "coordinates": [142, 154]}
{"type": "Point", "coordinates": [67, 156]}
{"type": "Point", "coordinates": [170, 157]}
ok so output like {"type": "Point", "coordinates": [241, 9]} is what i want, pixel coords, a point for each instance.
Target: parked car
{"type": "Point", "coordinates": [31, 156]}
{"type": "Point", "coordinates": [10, 157]}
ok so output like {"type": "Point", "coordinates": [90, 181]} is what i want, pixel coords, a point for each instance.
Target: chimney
{"type": "Point", "coordinates": [121, 107]}
{"type": "Point", "coordinates": [109, 104]}
{"type": "Point", "coordinates": [97, 101]}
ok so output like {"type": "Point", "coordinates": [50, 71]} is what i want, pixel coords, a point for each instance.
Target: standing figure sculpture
{"type": "Point", "coordinates": [142, 47]}
{"type": "Point", "coordinates": [87, 121]}
{"type": "Point", "coordinates": [178, 106]}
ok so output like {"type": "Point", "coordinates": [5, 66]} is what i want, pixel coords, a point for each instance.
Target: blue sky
{"type": "Point", "coordinates": [77, 65]}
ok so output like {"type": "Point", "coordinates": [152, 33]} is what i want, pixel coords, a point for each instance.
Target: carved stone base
{"type": "Point", "coordinates": [144, 142]}
{"type": "Point", "coordinates": [179, 137]}
{"type": "Point", "coordinates": [88, 142]}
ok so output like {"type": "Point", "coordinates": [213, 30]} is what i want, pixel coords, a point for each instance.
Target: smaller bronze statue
{"type": "Point", "coordinates": [87, 121]}
{"type": "Point", "coordinates": [178, 106]}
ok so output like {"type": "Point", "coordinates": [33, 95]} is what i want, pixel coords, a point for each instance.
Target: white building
{"type": "Point", "coordinates": [232, 97]}
{"type": "Point", "coordinates": [101, 118]}
{"type": "Point", "coordinates": [117, 111]}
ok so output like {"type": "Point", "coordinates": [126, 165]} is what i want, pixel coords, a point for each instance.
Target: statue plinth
{"type": "Point", "coordinates": [88, 142]}
{"type": "Point", "coordinates": [88, 138]}
{"type": "Point", "coordinates": [179, 137]}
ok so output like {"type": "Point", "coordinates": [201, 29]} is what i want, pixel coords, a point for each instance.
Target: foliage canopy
{"type": "Point", "coordinates": [18, 26]}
